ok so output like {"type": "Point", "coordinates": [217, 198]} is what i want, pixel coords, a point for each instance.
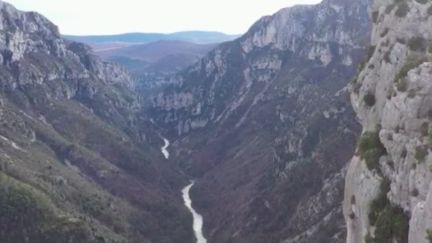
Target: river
{"type": "Point", "coordinates": [164, 149]}
{"type": "Point", "coordinates": [197, 218]}
{"type": "Point", "coordinates": [197, 224]}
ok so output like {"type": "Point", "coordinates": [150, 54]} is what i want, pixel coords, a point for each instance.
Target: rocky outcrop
{"type": "Point", "coordinates": [388, 187]}
{"type": "Point", "coordinates": [328, 34]}
{"type": "Point", "coordinates": [77, 161]}
{"type": "Point", "coordinates": [265, 123]}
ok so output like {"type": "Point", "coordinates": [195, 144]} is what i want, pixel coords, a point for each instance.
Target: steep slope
{"type": "Point", "coordinates": [388, 194]}
{"type": "Point", "coordinates": [265, 123]}
{"type": "Point", "coordinates": [77, 162]}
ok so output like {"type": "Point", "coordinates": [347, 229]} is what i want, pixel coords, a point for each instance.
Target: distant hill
{"type": "Point", "coordinates": [145, 53]}
{"type": "Point", "coordinates": [200, 37]}
{"type": "Point", "coordinates": [162, 56]}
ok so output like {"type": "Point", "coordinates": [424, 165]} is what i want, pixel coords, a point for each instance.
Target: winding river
{"type": "Point", "coordinates": [164, 148]}
{"type": "Point", "coordinates": [197, 218]}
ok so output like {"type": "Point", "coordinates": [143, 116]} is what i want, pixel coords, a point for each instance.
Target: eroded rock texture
{"type": "Point", "coordinates": [388, 192]}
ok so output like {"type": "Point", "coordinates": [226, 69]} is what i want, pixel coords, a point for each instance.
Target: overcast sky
{"type": "Point", "coordinates": [114, 16]}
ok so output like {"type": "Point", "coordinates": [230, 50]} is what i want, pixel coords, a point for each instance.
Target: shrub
{"type": "Point", "coordinates": [375, 16]}
{"type": "Point", "coordinates": [387, 56]}
{"type": "Point", "coordinates": [371, 149]}
{"type": "Point", "coordinates": [402, 10]}
{"type": "Point", "coordinates": [392, 225]}
{"type": "Point", "coordinates": [369, 99]}
{"type": "Point", "coordinates": [408, 66]}
{"type": "Point", "coordinates": [22, 212]}
{"type": "Point", "coordinates": [356, 87]}
{"type": "Point", "coordinates": [353, 199]}
{"type": "Point", "coordinates": [415, 192]}
{"type": "Point", "coordinates": [402, 85]}
{"type": "Point", "coordinates": [369, 238]}
{"type": "Point", "coordinates": [429, 10]}
{"type": "Point", "coordinates": [379, 203]}
{"type": "Point", "coordinates": [422, 1]}
{"type": "Point", "coordinates": [412, 93]}
{"type": "Point", "coordinates": [424, 129]}
{"type": "Point", "coordinates": [404, 153]}
{"type": "Point", "coordinates": [371, 51]}
{"type": "Point", "coordinates": [385, 32]}
{"type": "Point", "coordinates": [389, 8]}
{"type": "Point", "coordinates": [421, 153]}
{"type": "Point", "coordinates": [430, 138]}
{"type": "Point", "coordinates": [391, 222]}
{"type": "Point", "coordinates": [401, 40]}
{"type": "Point", "coordinates": [417, 44]}
{"type": "Point", "coordinates": [429, 235]}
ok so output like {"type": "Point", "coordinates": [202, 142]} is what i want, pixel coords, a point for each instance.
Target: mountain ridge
{"type": "Point", "coordinates": [199, 37]}
{"type": "Point", "coordinates": [163, 57]}
{"type": "Point", "coordinates": [77, 161]}
{"type": "Point", "coordinates": [255, 120]}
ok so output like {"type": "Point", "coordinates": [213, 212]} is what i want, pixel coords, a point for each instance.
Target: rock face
{"type": "Point", "coordinates": [388, 187]}
{"type": "Point", "coordinates": [77, 163]}
{"type": "Point", "coordinates": [265, 123]}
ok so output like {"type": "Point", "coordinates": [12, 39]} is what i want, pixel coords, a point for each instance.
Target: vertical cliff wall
{"type": "Point", "coordinates": [388, 194]}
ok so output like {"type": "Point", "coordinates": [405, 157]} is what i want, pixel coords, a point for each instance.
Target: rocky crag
{"type": "Point", "coordinates": [77, 162]}
{"type": "Point", "coordinates": [388, 194]}
{"type": "Point", "coordinates": [266, 125]}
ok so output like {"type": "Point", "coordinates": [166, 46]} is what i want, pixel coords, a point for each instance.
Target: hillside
{"type": "Point", "coordinates": [265, 125]}
{"type": "Point", "coordinates": [164, 57]}
{"type": "Point", "coordinates": [77, 161]}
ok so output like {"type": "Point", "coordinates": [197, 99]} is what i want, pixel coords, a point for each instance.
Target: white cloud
{"type": "Point", "coordinates": [113, 16]}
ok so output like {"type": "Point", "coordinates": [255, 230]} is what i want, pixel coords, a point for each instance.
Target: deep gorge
{"type": "Point", "coordinates": [312, 127]}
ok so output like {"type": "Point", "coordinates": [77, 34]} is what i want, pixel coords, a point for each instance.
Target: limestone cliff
{"type": "Point", "coordinates": [265, 124]}
{"type": "Point", "coordinates": [388, 193]}
{"type": "Point", "coordinates": [77, 163]}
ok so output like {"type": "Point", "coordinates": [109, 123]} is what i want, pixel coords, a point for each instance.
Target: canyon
{"type": "Point", "coordinates": [312, 127]}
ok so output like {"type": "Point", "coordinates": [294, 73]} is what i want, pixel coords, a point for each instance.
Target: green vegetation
{"type": "Point", "coordinates": [402, 10]}
{"type": "Point", "coordinates": [385, 32]}
{"type": "Point", "coordinates": [369, 99]}
{"type": "Point", "coordinates": [375, 16]}
{"type": "Point", "coordinates": [389, 8]}
{"type": "Point", "coordinates": [371, 149]}
{"type": "Point", "coordinates": [391, 222]}
{"type": "Point", "coordinates": [402, 85]}
{"type": "Point", "coordinates": [20, 211]}
{"type": "Point", "coordinates": [429, 10]}
{"type": "Point", "coordinates": [369, 238]}
{"type": "Point", "coordinates": [430, 138]}
{"type": "Point", "coordinates": [417, 44]}
{"type": "Point", "coordinates": [424, 129]}
{"type": "Point", "coordinates": [429, 235]}
{"type": "Point", "coordinates": [387, 56]}
{"type": "Point", "coordinates": [371, 51]}
{"type": "Point", "coordinates": [421, 153]}
{"type": "Point", "coordinates": [392, 226]}
{"type": "Point", "coordinates": [379, 203]}
{"type": "Point", "coordinates": [26, 215]}
{"type": "Point", "coordinates": [400, 81]}
{"type": "Point", "coordinates": [415, 192]}
{"type": "Point", "coordinates": [369, 55]}
{"type": "Point", "coordinates": [356, 87]}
